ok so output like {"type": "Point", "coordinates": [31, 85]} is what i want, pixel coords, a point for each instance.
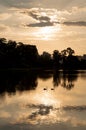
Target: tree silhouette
{"type": "Point", "coordinates": [70, 51]}
{"type": "Point", "coordinates": [19, 55]}
{"type": "Point", "coordinates": [64, 53]}
{"type": "Point", "coordinates": [56, 58]}
{"type": "Point", "coordinates": [45, 60]}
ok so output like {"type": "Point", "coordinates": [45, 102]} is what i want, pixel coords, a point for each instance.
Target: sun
{"type": "Point", "coordinates": [47, 33]}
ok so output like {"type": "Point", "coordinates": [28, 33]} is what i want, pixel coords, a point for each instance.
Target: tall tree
{"type": "Point", "coordinates": [56, 58]}
{"type": "Point", "coordinates": [70, 51]}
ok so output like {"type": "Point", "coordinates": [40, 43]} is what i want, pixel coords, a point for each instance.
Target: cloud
{"type": "Point", "coordinates": [19, 3]}
{"type": "Point", "coordinates": [75, 23]}
{"type": "Point", "coordinates": [4, 27]}
{"type": "Point", "coordinates": [41, 24]}
{"type": "Point", "coordinates": [74, 14]}
{"type": "Point", "coordinates": [60, 4]}
{"type": "Point", "coordinates": [42, 17]}
{"type": "Point", "coordinates": [75, 108]}
{"type": "Point", "coordinates": [38, 16]}
{"type": "Point", "coordinates": [4, 16]}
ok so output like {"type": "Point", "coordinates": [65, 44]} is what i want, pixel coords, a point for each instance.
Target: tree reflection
{"type": "Point", "coordinates": [12, 81]}
{"type": "Point", "coordinates": [56, 78]}
{"type": "Point", "coordinates": [44, 75]}
{"type": "Point", "coordinates": [65, 79]}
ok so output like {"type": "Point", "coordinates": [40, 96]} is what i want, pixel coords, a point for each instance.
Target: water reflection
{"type": "Point", "coordinates": [24, 104]}
{"type": "Point", "coordinates": [10, 81]}
{"type": "Point", "coordinates": [65, 79]}
{"type": "Point", "coordinates": [49, 115]}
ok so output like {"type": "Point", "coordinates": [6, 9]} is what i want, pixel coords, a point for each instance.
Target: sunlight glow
{"type": "Point", "coordinates": [47, 33]}
{"type": "Point", "coordinates": [47, 98]}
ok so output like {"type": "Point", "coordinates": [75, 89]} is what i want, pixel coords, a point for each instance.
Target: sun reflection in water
{"type": "Point", "coordinates": [43, 108]}
{"type": "Point", "coordinates": [47, 98]}
{"type": "Point", "coordinates": [39, 107]}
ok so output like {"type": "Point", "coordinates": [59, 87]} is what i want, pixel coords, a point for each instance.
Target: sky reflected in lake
{"type": "Point", "coordinates": [43, 101]}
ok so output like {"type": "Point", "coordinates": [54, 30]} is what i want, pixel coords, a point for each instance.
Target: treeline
{"type": "Point", "coordinates": [18, 55]}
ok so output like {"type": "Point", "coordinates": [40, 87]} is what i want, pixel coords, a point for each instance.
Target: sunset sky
{"type": "Point", "coordinates": [48, 24]}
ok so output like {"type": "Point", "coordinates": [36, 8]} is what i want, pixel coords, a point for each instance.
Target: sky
{"type": "Point", "coordinates": [48, 24]}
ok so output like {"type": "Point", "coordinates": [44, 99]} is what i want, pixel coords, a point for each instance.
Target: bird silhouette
{"type": "Point", "coordinates": [52, 88]}
{"type": "Point", "coordinates": [45, 88]}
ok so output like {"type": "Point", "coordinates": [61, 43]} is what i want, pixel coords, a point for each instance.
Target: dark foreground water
{"type": "Point", "coordinates": [43, 100]}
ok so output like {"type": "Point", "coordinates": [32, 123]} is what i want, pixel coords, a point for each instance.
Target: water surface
{"type": "Point", "coordinates": [43, 100]}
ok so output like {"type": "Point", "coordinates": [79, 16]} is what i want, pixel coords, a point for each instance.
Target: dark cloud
{"type": "Point", "coordinates": [42, 20]}
{"type": "Point", "coordinates": [19, 3]}
{"type": "Point", "coordinates": [41, 24]}
{"type": "Point", "coordinates": [75, 108]}
{"type": "Point", "coordinates": [34, 15]}
{"type": "Point", "coordinates": [59, 4]}
{"type": "Point", "coordinates": [38, 16]}
{"type": "Point", "coordinates": [39, 106]}
{"type": "Point", "coordinates": [75, 23]}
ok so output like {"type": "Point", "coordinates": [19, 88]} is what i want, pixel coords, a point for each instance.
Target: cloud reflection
{"type": "Point", "coordinates": [42, 110]}
{"type": "Point", "coordinates": [42, 114]}
{"type": "Point", "coordinates": [4, 114]}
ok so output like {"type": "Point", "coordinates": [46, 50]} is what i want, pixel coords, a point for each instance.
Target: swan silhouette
{"type": "Point", "coordinates": [45, 88]}
{"type": "Point", "coordinates": [52, 88]}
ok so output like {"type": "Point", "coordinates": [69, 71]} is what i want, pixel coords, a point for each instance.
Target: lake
{"type": "Point", "coordinates": [43, 100]}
